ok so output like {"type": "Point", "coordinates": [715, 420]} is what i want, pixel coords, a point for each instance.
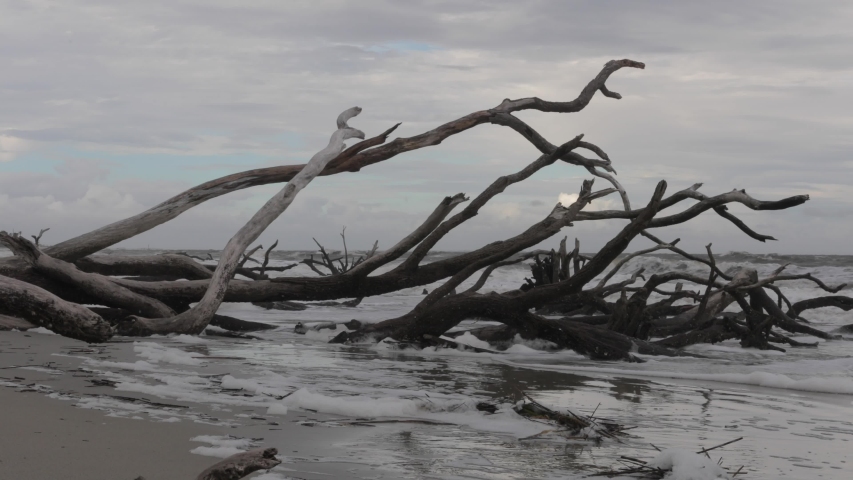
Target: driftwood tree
{"type": "Point", "coordinates": [47, 286]}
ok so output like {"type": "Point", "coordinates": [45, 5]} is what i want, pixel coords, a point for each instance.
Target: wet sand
{"type": "Point", "coordinates": [50, 438]}
{"type": "Point", "coordinates": [787, 433]}
{"type": "Point", "coordinates": [45, 438]}
{"type": "Point", "coordinates": [56, 423]}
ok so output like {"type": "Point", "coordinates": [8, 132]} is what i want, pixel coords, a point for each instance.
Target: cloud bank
{"type": "Point", "coordinates": [111, 107]}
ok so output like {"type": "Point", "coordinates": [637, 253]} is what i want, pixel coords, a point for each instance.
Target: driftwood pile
{"type": "Point", "coordinates": [69, 289]}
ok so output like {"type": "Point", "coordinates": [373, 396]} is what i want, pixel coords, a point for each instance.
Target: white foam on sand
{"type": "Point", "coordinates": [218, 452]}
{"type": "Point", "coordinates": [472, 341]}
{"type": "Point", "coordinates": [270, 476]}
{"type": "Point", "coordinates": [686, 465]}
{"type": "Point", "coordinates": [221, 446]}
{"type": "Point", "coordinates": [41, 330]}
{"type": "Point", "coordinates": [137, 366]}
{"type": "Point", "coordinates": [154, 352]}
{"type": "Point", "coordinates": [431, 406]}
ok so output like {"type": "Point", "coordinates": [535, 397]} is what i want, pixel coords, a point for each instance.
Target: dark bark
{"type": "Point", "coordinates": [837, 301]}
{"type": "Point", "coordinates": [42, 308]}
{"type": "Point", "coordinates": [145, 305]}
{"type": "Point", "coordinates": [512, 309]}
{"type": "Point", "coordinates": [240, 465]}
{"type": "Point", "coordinates": [97, 286]}
{"type": "Point", "coordinates": [169, 266]}
{"type": "Point", "coordinates": [713, 331]}
{"type": "Point", "coordinates": [238, 325]}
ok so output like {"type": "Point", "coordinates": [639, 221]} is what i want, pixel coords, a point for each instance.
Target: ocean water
{"type": "Point", "coordinates": [794, 410]}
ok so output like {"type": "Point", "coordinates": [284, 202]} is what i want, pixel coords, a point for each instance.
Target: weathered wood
{"type": "Point", "coordinates": [97, 286]}
{"type": "Point", "coordinates": [42, 308]}
{"type": "Point", "coordinates": [716, 303]}
{"type": "Point", "coordinates": [473, 208]}
{"type": "Point", "coordinates": [283, 305]}
{"type": "Point", "coordinates": [783, 321]}
{"type": "Point", "coordinates": [14, 323]}
{"type": "Point", "coordinates": [197, 318]}
{"type": "Point", "coordinates": [512, 309]}
{"type": "Point", "coordinates": [353, 159]}
{"type": "Point", "coordinates": [240, 465]}
{"type": "Point", "coordinates": [168, 265]}
{"type": "Point", "coordinates": [628, 320]}
{"type": "Point", "coordinates": [717, 330]}
{"type": "Point", "coordinates": [704, 204]}
{"type": "Point", "coordinates": [491, 268]}
{"type": "Point", "coordinates": [560, 216]}
{"type": "Point", "coordinates": [37, 238]}
{"type": "Point", "coordinates": [837, 301]}
{"type": "Point", "coordinates": [403, 276]}
{"type": "Point", "coordinates": [239, 325]}
{"type": "Point", "coordinates": [599, 262]}
{"type": "Point", "coordinates": [436, 217]}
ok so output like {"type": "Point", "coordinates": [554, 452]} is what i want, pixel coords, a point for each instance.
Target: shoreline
{"type": "Point", "coordinates": [186, 407]}
{"type": "Point", "coordinates": [59, 423]}
{"type": "Point", "coordinates": [46, 438]}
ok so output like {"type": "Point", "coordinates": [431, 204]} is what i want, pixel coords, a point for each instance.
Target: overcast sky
{"type": "Point", "coordinates": [108, 108]}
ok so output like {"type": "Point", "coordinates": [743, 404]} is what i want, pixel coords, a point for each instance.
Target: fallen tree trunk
{"type": "Point", "coordinates": [42, 308]}
{"type": "Point", "coordinates": [561, 277]}
{"type": "Point", "coordinates": [100, 287]}
{"type": "Point", "coordinates": [167, 266]}
{"type": "Point", "coordinates": [441, 314]}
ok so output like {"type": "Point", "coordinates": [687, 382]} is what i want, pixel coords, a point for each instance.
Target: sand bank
{"type": "Point", "coordinates": [44, 438]}
{"type": "Point", "coordinates": [59, 422]}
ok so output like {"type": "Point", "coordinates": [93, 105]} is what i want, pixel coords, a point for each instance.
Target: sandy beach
{"type": "Point", "coordinates": [167, 407]}
{"type": "Point", "coordinates": [50, 438]}
{"type": "Point", "coordinates": [58, 421]}
{"type": "Point", "coordinates": [45, 438]}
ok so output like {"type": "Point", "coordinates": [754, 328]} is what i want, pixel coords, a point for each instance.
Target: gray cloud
{"type": "Point", "coordinates": [736, 95]}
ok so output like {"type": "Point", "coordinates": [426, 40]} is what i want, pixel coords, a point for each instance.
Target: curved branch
{"type": "Point", "coordinates": [705, 203]}
{"type": "Point", "coordinates": [470, 211]}
{"type": "Point", "coordinates": [723, 211]}
{"type": "Point", "coordinates": [353, 159]}
{"type": "Point", "coordinates": [197, 318]}
{"type": "Point", "coordinates": [781, 319]}
{"type": "Point", "coordinates": [558, 218]}
{"type": "Point", "coordinates": [578, 104]}
{"type": "Point", "coordinates": [491, 268]}
{"type": "Point", "coordinates": [113, 233]}
{"type": "Point", "coordinates": [838, 301]}
{"type": "Point", "coordinates": [805, 276]}
{"type": "Point", "coordinates": [438, 215]}
{"type": "Point", "coordinates": [688, 256]}
{"type": "Point", "coordinates": [599, 262]}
